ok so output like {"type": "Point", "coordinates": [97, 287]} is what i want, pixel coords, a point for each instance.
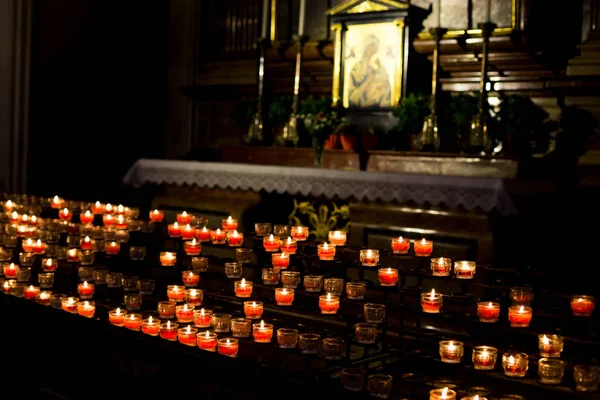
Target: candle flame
{"type": "Point", "coordinates": [289, 240]}
{"type": "Point", "coordinates": [168, 324]}
{"type": "Point", "coordinates": [155, 212]}
{"type": "Point", "coordinates": [31, 287]}
{"type": "Point", "coordinates": [337, 234]}
{"type": "Point", "coordinates": [423, 241]}
{"type": "Point", "coordinates": [219, 231]}
{"type": "Point", "coordinates": [185, 307]}
{"type": "Point", "coordinates": [86, 304]}
{"type": "Point", "coordinates": [228, 341]}
{"type": "Point", "coordinates": [243, 282]}
{"type": "Point", "coordinates": [71, 300]}
{"type": "Point", "coordinates": [271, 238]}
{"type": "Point", "coordinates": [490, 305]}
{"type": "Point", "coordinates": [202, 311]}
{"type": "Point", "coordinates": [120, 218]}
{"type": "Point", "coordinates": [131, 317]}
{"type": "Point", "coordinates": [432, 294]}
{"type": "Point", "coordinates": [56, 199]}
{"type": "Point", "coordinates": [254, 304]}
{"type": "Point", "coordinates": [14, 215]}
{"type": "Point", "coordinates": [580, 300]}
{"type": "Point", "coordinates": [400, 239]}
{"type": "Point", "coordinates": [389, 271]}
{"type": "Point", "coordinates": [175, 225]}
{"type": "Point", "coordinates": [476, 397]}
{"type": "Point", "coordinates": [118, 312]}
{"type": "Point", "coordinates": [24, 217]}
{"type": "Point", "coordinates": [109, 217]}
{"type": "Point", "coordinates": [445, 391]}
{"type": "Point", "coordinates": [189, 329]}
{"type": "Point", "coordinates": [108, 207]}
{"type": "Point", "coordinates": [11, 266]}
{"type": "Point", "coordinates": [511, 360]}
{"type": "Point", "coordinates": [9, 203]}
{"type": "Point", "coordinates": [325, 246]}
{"type": "Point", "coordinates": [6, 284]}
{"type": "Point", "coordinates": [262, 323]}
{"type": "Point", "coordinates": [328, 296]}
{"type": "Point", "coordinates": [150, 319]}
{"type": "Point", "coordinates": [120, 208]}
{"type": "Point", "coordinates": [522, 309]}
{"type": "Point", "coordinates": [66, 211]}
{"type": "Point", "coordinates": [451, 347]}
{"type": "Point", "coordinates": [299, 229]}
{"type": "Point", "coordinates": [369, 253]}
{"type": "Point", "coordinates": [207, 334]}
{"type": "Point", "coordinates": [87, 239]}
{"type": "Point", "coordinates": [33, 218]}
{"type": "Point", "coordinates": [188, 227]}
{"type": "Point", "coordinates": [485, 354]}
{"type": "Point", "coordinates": [98, 204]}
{"type": "Point", "coordinates": [193, 292]}
{"type": "Point", "coordinates": [229, 220]}
{"type": "Point", "coordinates": [85, 284]}
{"type": "Point", "coordinates": [545, 340]}
{"type": "Point", "coordinates": [184, 214]}
{"type": "Point", "coordinates": [284, 291]}
{"type": "Point", "coordinates": [235, 233]}
{"type": "Point", "coordinates": [204, 229]}
{"type": "Point", "coordinates": [29, 241]}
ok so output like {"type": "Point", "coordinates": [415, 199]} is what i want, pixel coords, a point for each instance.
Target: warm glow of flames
{"type": "Point", "coordinates": [85, 284]}
{"type": "Point", "coordinates": [118, 312]}
{"type": "Point", "coordinates": [86, 239]}
{"type": "Point", "coordinates": [445, 392]}
{"type": "Point", "coordinates": [369, 253]}
{"type": "Point", "coordinates": [451, 347]}
{"type": "Point", "coordinates": [389, 271]}
{"type": "Point", "coordinates": [262, 323]}
{"type": "Point", "coordinates": [108, 207]}
{"type": "Point", "coordinates": [271, 238]}
{"type": "Point", "coordinates": [490, 305]}
{"type": "Point", "coordinates": [243, 282]}
{"type": "Point", "coordinates": [56, 199]}
{"type": "Point", "coordinates": [229, 220]}
{"type": "Point", "coordinates": [168, 324]}
{"type": "Point", "coordinates": [235, 233]}
{"type": "Point", "coordinates": [155, 212]}
{"type": "Point", "coordinates": [189, 329]}
{"type": "Point", "coordinates": [545, 340]}
{"type": "Point", "coordinates": [289, 241]}
{"type": "Point", "coordinates": [175, 225]}
{"type": "Point", "coordinates": [184, 214]}
{"type": "Point", "coordinates": [423, 241]}
{"type": "Point", "coordinates": [325, 246]}
{"type": "Point", "coordinates": [218, 231]}
{"type": "Point", "coordinates": [207, 334]}
{"type": "Point", "coordinates": [522, 309]}
{"type": "Point", "coordinates": [188, 227]}
{"type": "Point", "coordinates": [511, 360]}
{"type": "Point", "coordinates": [432, 294]}
{"type": "Point", "coordinates": [120, 208]}
{"type": "Point", "coordinates": [150, 319]}
{"type": "Point", "coordinates": [31, 288]}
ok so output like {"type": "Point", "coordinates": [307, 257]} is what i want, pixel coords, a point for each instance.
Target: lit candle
{"type": "Point", "coordinates": [120, 209]}
{"type": "Point", "coordinates": [271, 243]}
{"type": "Point", "coordinates": [194, 297]}
{"type": "Point", "coordinates": [187, 335]}
{"type": "Point", "coordinates": [253, 309]}
{"type": "Point", "coordinates": [14, 217]}
{"type": "Point", "coordinates": [184, 218]}
{"type": "Point", "coordinates": [451, 351]}
{"type": "Point", "coordinates": [218, 236]}
{"type": "Point", "coordinates": [488, 312]}
{"type": "Point", "coordinates": [265, 18]}
{"type": "Point", "coordinates": [174, 230]}
{"type": "Point", "coordinates": [43, 298]}
{"type": "Point", "coordinates": [108, 220]}
{"type": "Point", "coordinates": [515, 364]}
{"type": "Point", "coordinates": [115, 317]}
{"type": "Point", "coordinates": [441, 266]}
{"type": "Point", "coordinates": [190, 278]}
{"type": "Point", "coordinates": [235, 239]}
{"type": "Point", "coordinates": [519, 316]}
{"type": "Point", "coordinates": [423, 248]}
{"type": "Point", "coordinates": [39, 247]}
{"type": "Point", "coordinates": [133, 321]}
{"type": "Point", "coordinates": [400, 245]}
{"type": "Point", "coordinates": [242, 288]}
{"type": "Point", "coordinates": [326, 251]}
{"type": "Point", "coordinates": [203, 235]}
{"type": "Point", "coordinates": [550, 346]}
{"type": "Point", "coordinates": [284, 296]}
{"type": "Point", "coordinates": [289, 246]}
{"type": "Point", "coordinates": [168, 331]}
{"type": "Point", "coordinates": [65, 214]}
{"type": "Point", "coordinates": [85, 290]}
{"type": "Point", "coordinates": [207, 340]}
{"type": "Point", "coordinates": [10, 271]}
{"type": "Point", "coordinates": [57, 202]}
{"type": "Point", "coordinates": [431, 302]}
{"type": "Point", "coordinates": [228, 347]}
{"type": "Point", "coordinates": [24, 219]}
{"type": "Point", "coordinates": [388, 276]}
{"type": "Point", "coordinates": [33, 220]}
{"type": "Point", "coordinates": [86, 309]}
{"type": "Point", "coordinates": [167, 259]}
{"type": "Point", "coordinates": [280, 260]}
{"type": "Point", "coordinates": [583, 306]}
{"type": "Point", "coordinates": [202, 318]}
{"type": "Point", "coordinates": [262, 333]}
{"type": "Point", "coordinates": [31, 292]}
{"type": "Point", "coordinates": [337, 237]}
{"type": "Point", "coordinates": [484, 357]}
{"type": "Point", "coordinates": [464, 269]}
{"type": "Point", "coordinates": [192, 247]}
{"type": "Point", "coordinates": [302, 17]}
{"type": "Point", "coordinates": [27, 245]}
{"type": "Point", "coordinates": [188, 232]}
{"type": "Point", "coordinates": [369, 258]}
{"type": "Point", "coordinates": [300, 233]}
{"type": "Point", "coordinates": [120, 222]}
{"type": "Point", "coordinates": [112, 248]}
{"type": "Point", "coordinates": [98, 208]}
{"type": "Point", "coordinates": [8, 206]}
{"type": "Point", "coordinates": [329, 304]}
{"type": "Point", "coordinates": [157, 216]}
{"type": "Point", "coordinates": [70, 304]}
{"type": "Point", "coordinates": [86, 243]}
{"type": "Point", "coordinates": [151, 326]}
{"type": "Point", "coordinates": [176, 293]}
{"type": "Point", "coordinates": [442, 394]}
{"type": "Point", "coordinates": [6, 286]}
{"type": "Point", "coordinates": [229, 224]}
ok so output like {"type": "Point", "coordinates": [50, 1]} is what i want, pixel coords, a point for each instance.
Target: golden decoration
{"type": "Point", "coordinates": [370, 6]}
{"type": "Point", "coordinates": [367, 6]}
{"type": "Point", "coordinates": [321, 220]}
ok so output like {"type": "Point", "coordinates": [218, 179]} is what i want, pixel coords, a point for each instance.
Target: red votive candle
{"type": "Point", "coordinates": [488, 311]}
{"type": "Point", "coordinates": [27, 245]}
{"type": "Point", "coordinates": [326, 251]}
{"type": "Point", "coordinates": [218, 236]}
{"type": "Point", "coordinates": [133, 321]}
{"type": "Point", "coordinates": [228, 347]}
{"type": "Point", "coordinates": [174, 230]}
{"type": "Point", "coordinates": [242, 288]}
{"type": "Point", "coordinates": [39, 247]}
{"type": "Point", "coordinates": [168, 331]}
{"type": "Point", "coordinates": [423, 248]}
{"type": "Point", "coordinates": [184, 218]}
{"type": "Point", "coordinates": [229, 224]}
{"type": "Point", "coordinates": [280, 260]}
{"type": "Point", "coordinates": [86, 243]}
{"type": "Point", "coordinates": [85, 290]}
{"type": "Point", "coordinates": [98, 208]}
{"type": "Point", "coordinates": [337, 237]}
{"type": "Point", "coordinates": [108, 220]}
{"type": "Point", "coordinates": [369, 257]}
{"type": "Point", "coordinates": [167, 259]}
{"type": "Point", "coordinates": [329, 304]}
{"type": "Point", "coordinates": [86, 217]}
{"type": "Point", "coordinates": [271, 243]}
{"type": "Point", "coordinates": [157, 216]}
{"type": "Point", "coordinates": [151, 326]}
{"type": "Point", "coordinates": [284, 296]}
{"type": "Point", "coordinates": [57, 202]}
{"type": "Point", "coordinates": [519, 316]}
{"type": "Point", "coordinates": [583, 306]}
{"type": "Point", "coordinates": [235, 239]}
{"type": "Point", "coordinates": [116, 316]}
{"type": "Point", "coordinates": [65, 214]}
{"type": "Point", "coordinates": [253, 309]}
{"type": "Point", "coordinates": [262, 333]}
{"type": "Point", "coordinates": [190, 278]}
{"type": "Point", "coordinates": [176, 293]}
{"type": "Point", "coordinates": [69, 304]}
{"type": "Point", "coordinates": [207, 340]}
{"type": "Point", "coordinates": [120, 222]}
{"type": "Point", "coordinates": [388, 276]}
{"type": "Point", "coordinates": [202, 318]}
{"type": "Point", "coordinates": [31, 292]}
{"type": "Point", "coordinates": [289, 245]}
{"type": "Point", "coordinates": [112, 248]}
{"type": "Point", "coordinates": [187, 335]}
{"type": "Point", "coordinates": [431, 303]}
{"type": "Point", "coordinates": [300, 233]}
{"type": "Point", "coordinates": [188, 232]}
{"type": "Point", "coordinates": [10, 271]}
{"type": "Point", "coordinates": [86, 309]}
{"type": "Point", "coordinates": [203, 235]}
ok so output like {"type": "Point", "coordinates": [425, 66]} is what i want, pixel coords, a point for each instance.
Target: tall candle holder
{"type": "Point", "coordinates": [255, 132]}
{"type": "Point", "coordinates": [479, 138]}
{"type": "Point", "coordinates": [290, 136]}
{"type": "Point", "coordinates": [429, 139]}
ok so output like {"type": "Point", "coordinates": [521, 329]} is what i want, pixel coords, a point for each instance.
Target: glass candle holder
{"type": "Point", "coordinates": [329, 304]}
{"type": "Point", "coordinates": [289, 245]}
{"type": "Point", "coordinates": [169, 331]}
{"type": "Point", "coordinates": [203, 318]}
{"type": "Point", "coordinates": [423, 248]}
{"type": "Point", "coordinates": [167, 259]}
{"type": "Point", "coordinates": [451, 351]}
{"type": "Point", "coordinates": [133, 301]}
{"type": "Point", "coordinates": [287, 338]}
{"type": "Point", "coordinates": [313, 283]}
{"type": "Point", "coordinates": [130, 283]}
{"type": "Point", "coordinates": [335, 286]}
{"type": "Point", "coordinates": [400, 245]}
{"type": "Point", "coordinates": [356, 290]}
{"type": "Point", "coordinates": [243, 255]}
{"type": "Point", "coordinates": [233, 270]}
{"type": "Point", "coordinates": [243, 288]}
{"type": "Point", "coordinates": [151, 326]}
{"type": "Point", "coordinates": [521, 295]}
{"type": "Point", "coordinates": [8, 284]}
{"type": "Point", "coordinates": [281, 230]}
{"type": "Point", "coordinates": [85, 274]}
{"type": "Point", "coordinates": [10, 270]}
{"type": "Point", "coordinates": [187, 335]}
{"type": "Point", "coordinates": [49, 264]}
{"type": "Point", "coordinates": [199, 264]}
{"type": "Point", "coordinates": [23, 274]}
{"type": "Point", "coordinates": [176, 293]}
{"type": "Point", "coordinates": [228, 347]}
{"type": "Point", "coordinates": [380, 385]}
{"type": "Point", "coordinates": [184, 313]}
{"type": "Point", "coordinates": [353, 379]}
{"type": "Point", "coordinates": [583, 306]}
{"type": "Point", "coordinates": [112, 248]}
{"type": "Point", "coordinates": [388, 276]}
{"type": "Point", "coordinates": [253, 309]}
{"type": "Point", "coordinates": [174, 230]}
{"type": "Point", "coordinates": [190, 278]}
{"type": "Point", "coordinates": [369, 257]}
{"type": "Point", "coordinates": [270, 276]}
{"type": "Point", "coordinates": [441, 266]}
{"type": "Point", "coordinates": [56, 300]}
{"type": "Point", "coordinates": [235, 239]}
{"type": "Point", "coordinates": [519, 316]}
{"type": "Point", "coordinates": [240, 327]}
{"type": "Point", "coordinates": [337, 238]}
{"type": "Point", "coordinates": [333, 349]}
{"type": "Point", "coordinates": [122, 236]}
{"type": "Point", "coordinates": [203, 235]}
{"type": "Point", "coordinates": [290, 279]}
{"type": "Point", "coordinates": [26, 259]}
{"type": "Point", "coordinates": [85, 290]}
{"type": "Point", "coordinates": [464, 269]}
{"type": "Point", "coordinates": [218, 236]}
{"type": "Point", "coordinates": [86, 308]}
{"type": "Point", "coordinates": [308, 343]}
{"type": "Point", "coordinates": [184, 218]}
{"type": "Point", "coordinates": [488, 312]}
{"type": "Point", "coordinates": [113, 279]}
{"type": "Point", "coordinates": [137, 253]}
{"type": "Point", "coordinates": [262, 333]}
{"type": "Point", "coordinates": [61, 254]}
{"type": "Point", "coordinates": [207, 340]}
{"type": "Point", "coordinates": [17, 290]}
{"type": "Point", "coordinates": [484, 357]}
{"type": "Point", "coordinates": [326, 252]}
{"type": "Point", "coordinates": [229, 224]}
{"type": "Point", "coordinates": [551, 346]}
{"type": "Point", "coordinates": [46, 280]}
{"type": "Point", "coordinates": [157, 216]}
{"type": "Point", "coordinates": [43, 298]}
{"type": "Point", "coordinates": [166, 309]}
{"type": "Point", "coordinates": [374, 313]}
{"type": "Point", "coordinates": [442, 394]}
{"type": "Point", "coordinates": [146, 286]}
{"type": "Point", "coordinates": [51, 250]}
{"type": "Point", "coordinates": [284, 296]}
{"type": "Point", "coordinates": [194, 297]}
{"type": "Point", "coordinates": [515, 364]}
{"type": "Point", "coordinates": [262, 229]}
{"type": "Point", "coordinates": [587, 377]}
{"type": "Point", "coordinates": [365, 333]}
{"type": "Point", "coordinates": [192, 247]}
{"type": "Point", "coordinates": [99, 276]}
{"type": "Point", "coordinates": [87, 257]}
{"type": "Point", "coordinates": [188, 232]}
{"type": "Point", "coordinates": [69, 304]}
{"type": "Point", "coordinates": [431, 302]}
{"type": "Point", "coordinates": [30, 292]}
{"type": "Point", "coordinates": [271, 243]}
{"type": "Point", "coordinates": [299, 232]}
{"type": "Point", "coordinates": [221, 322]}
{"type": "Point", "coordinates": [551, 371]}
{"type": "Point", "coordinates": [280, 260]}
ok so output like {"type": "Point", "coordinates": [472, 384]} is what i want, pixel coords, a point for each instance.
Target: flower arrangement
{"type": "Point", "coordinates": [321, 125]}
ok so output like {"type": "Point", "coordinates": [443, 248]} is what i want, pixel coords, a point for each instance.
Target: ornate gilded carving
{"type": "Point", "coordinates": [320, 219]}
{"type": "Point", "coordinates": [367, 6]}
{"type": "Point", "coordinates": [361, 6]}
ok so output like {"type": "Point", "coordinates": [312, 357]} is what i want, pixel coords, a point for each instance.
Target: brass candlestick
{"type": "Point", "coordinates": [479, 140]}
{"type": "Point", "coordinates": [290, 136]}
{"type": "Point", "coordinates": [429, 138]}
{"type": "Point", "coordinates": [255, 132]}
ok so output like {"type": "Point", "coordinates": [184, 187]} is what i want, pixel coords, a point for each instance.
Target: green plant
{"type": "Point", "coordinates": [463, 108]}
{"type": "Point", "coordinates": [411, 113]}
{"type": "Point", "coordinates": [279, 110]}
{"type": "Point", "coordinates": [315, 105]}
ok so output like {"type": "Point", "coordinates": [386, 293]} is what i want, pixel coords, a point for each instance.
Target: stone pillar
{"type": "Point", "coordinates": [15, 56]}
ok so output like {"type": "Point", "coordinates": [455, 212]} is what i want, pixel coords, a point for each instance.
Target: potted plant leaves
{"type": "Point", "coordinates": [411, 113]}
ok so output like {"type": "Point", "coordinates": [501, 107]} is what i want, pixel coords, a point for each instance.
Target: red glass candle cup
{"type": "Point", "coordinates": [69, 304]}
{"type": "Point", "coordinates": [192, 247]}
{"type": "Point", "coordinates": [280, 260]}
{"type": "Point", "coordinates": [515, 364]}
{"type": "Point", "coordinates": [388, 276]}
{"type": "Point", "coordinates": [112, 248]}
{"type": "Point", "coordinates": [289, 246]}
{"type": "Point", "coordinates": [243, 288]}
{"type": "Point", "coordinates": [31, 292]}
{"type": "Point", "coordinates": [184, 218]}
{"type": "Point", "coordinates": [583, 306]}
{"type": "Point", "coordinates": [431, 302]}
{"type": "Point", "coordinates": [441, 266]}
{"type": "Point", "coordinates": [369, 257]}
{"type": "Point", "coordinates": [218, 236]}
{"type": "Point", "coordinates": [85, 290]}
{"type": "Point", "coordinates": [190, 278]}
{"type": "Point", "coordinates": [167, 258]}
{"type": "Point", "coordinates": [229, 224]}
{"type": "Point", "coordinates": [207, 340]}
{"type": "Point", "coordinates": [329, 304]}
{"type": "Point", "coordinates": [188, 232]}
{"type": "Point", "coordinates": [174, 230]}
{"type": "Point", "coordinates": [451, 351]}
{"type": "Point", "coordinates": [133, 321]}
{"type": "Point", "coordinates": [203, 235]}
{"type": "Point", "coordinates": [65, 214]}
{"type": "Point", "coordinates": [176, 293]}
{"type": "Point", "coordinates": [166, 309]}
{"type": "Point", "coordinates": [157, 216]}
{"type": "Point", "coordinates": [423, 248]}
{"type": "Point", "coordinates": [202, 318]}
{"type": "Point", "coordinates": [235, 239]}
{"type": "Point", "coordinates": [284, 296]}
{"type": "Point", "coordinates": [484, 357]}
{"type": "Point", "coordinates": [228, 347]}
{"type": "Point", "coordinates": [86, 308]}
{"type": "Point", "coordinates": [187, 335]}
{"type": "Point", "coordinates": [300, 233]}
{"type": "Point", "coordinates": [337, 238]}
{"type": "Point", "coordinates": [262, 333]}
{"type": "Point", "coordinates": [326, 252]}
{"type": "Point", "coordinates": [184, 313]}
{"type": "Point", "coordinates": [194, 297]}
{"type": "Point", "coordinates": [488, 312]}
{"type": "Point", "coordinates": [168, 331]}
{"type": "Point", "coordinates": [253, 309]}
{"type": "Point", "coordinates": [115, 317]}
{"type": "Point", "coordinates": [151, 326]}
{"type": "Point", "coordinates": [400, 245]}
{"type": "Point", "coordinates": [464, 269]}
{"type": "Point", "coordinates": [519, 316]}
{"type": "Point", "coordinates": [271, 243]}
{"type": "Point", "coordinates": [551, 346]}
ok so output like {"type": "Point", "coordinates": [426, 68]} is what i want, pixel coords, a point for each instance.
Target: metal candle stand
{"type": "Point", "coordinates": [290, 130]}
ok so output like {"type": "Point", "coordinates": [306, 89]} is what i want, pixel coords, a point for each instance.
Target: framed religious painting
{"type": "Point", "coordinates": [371, 53]}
